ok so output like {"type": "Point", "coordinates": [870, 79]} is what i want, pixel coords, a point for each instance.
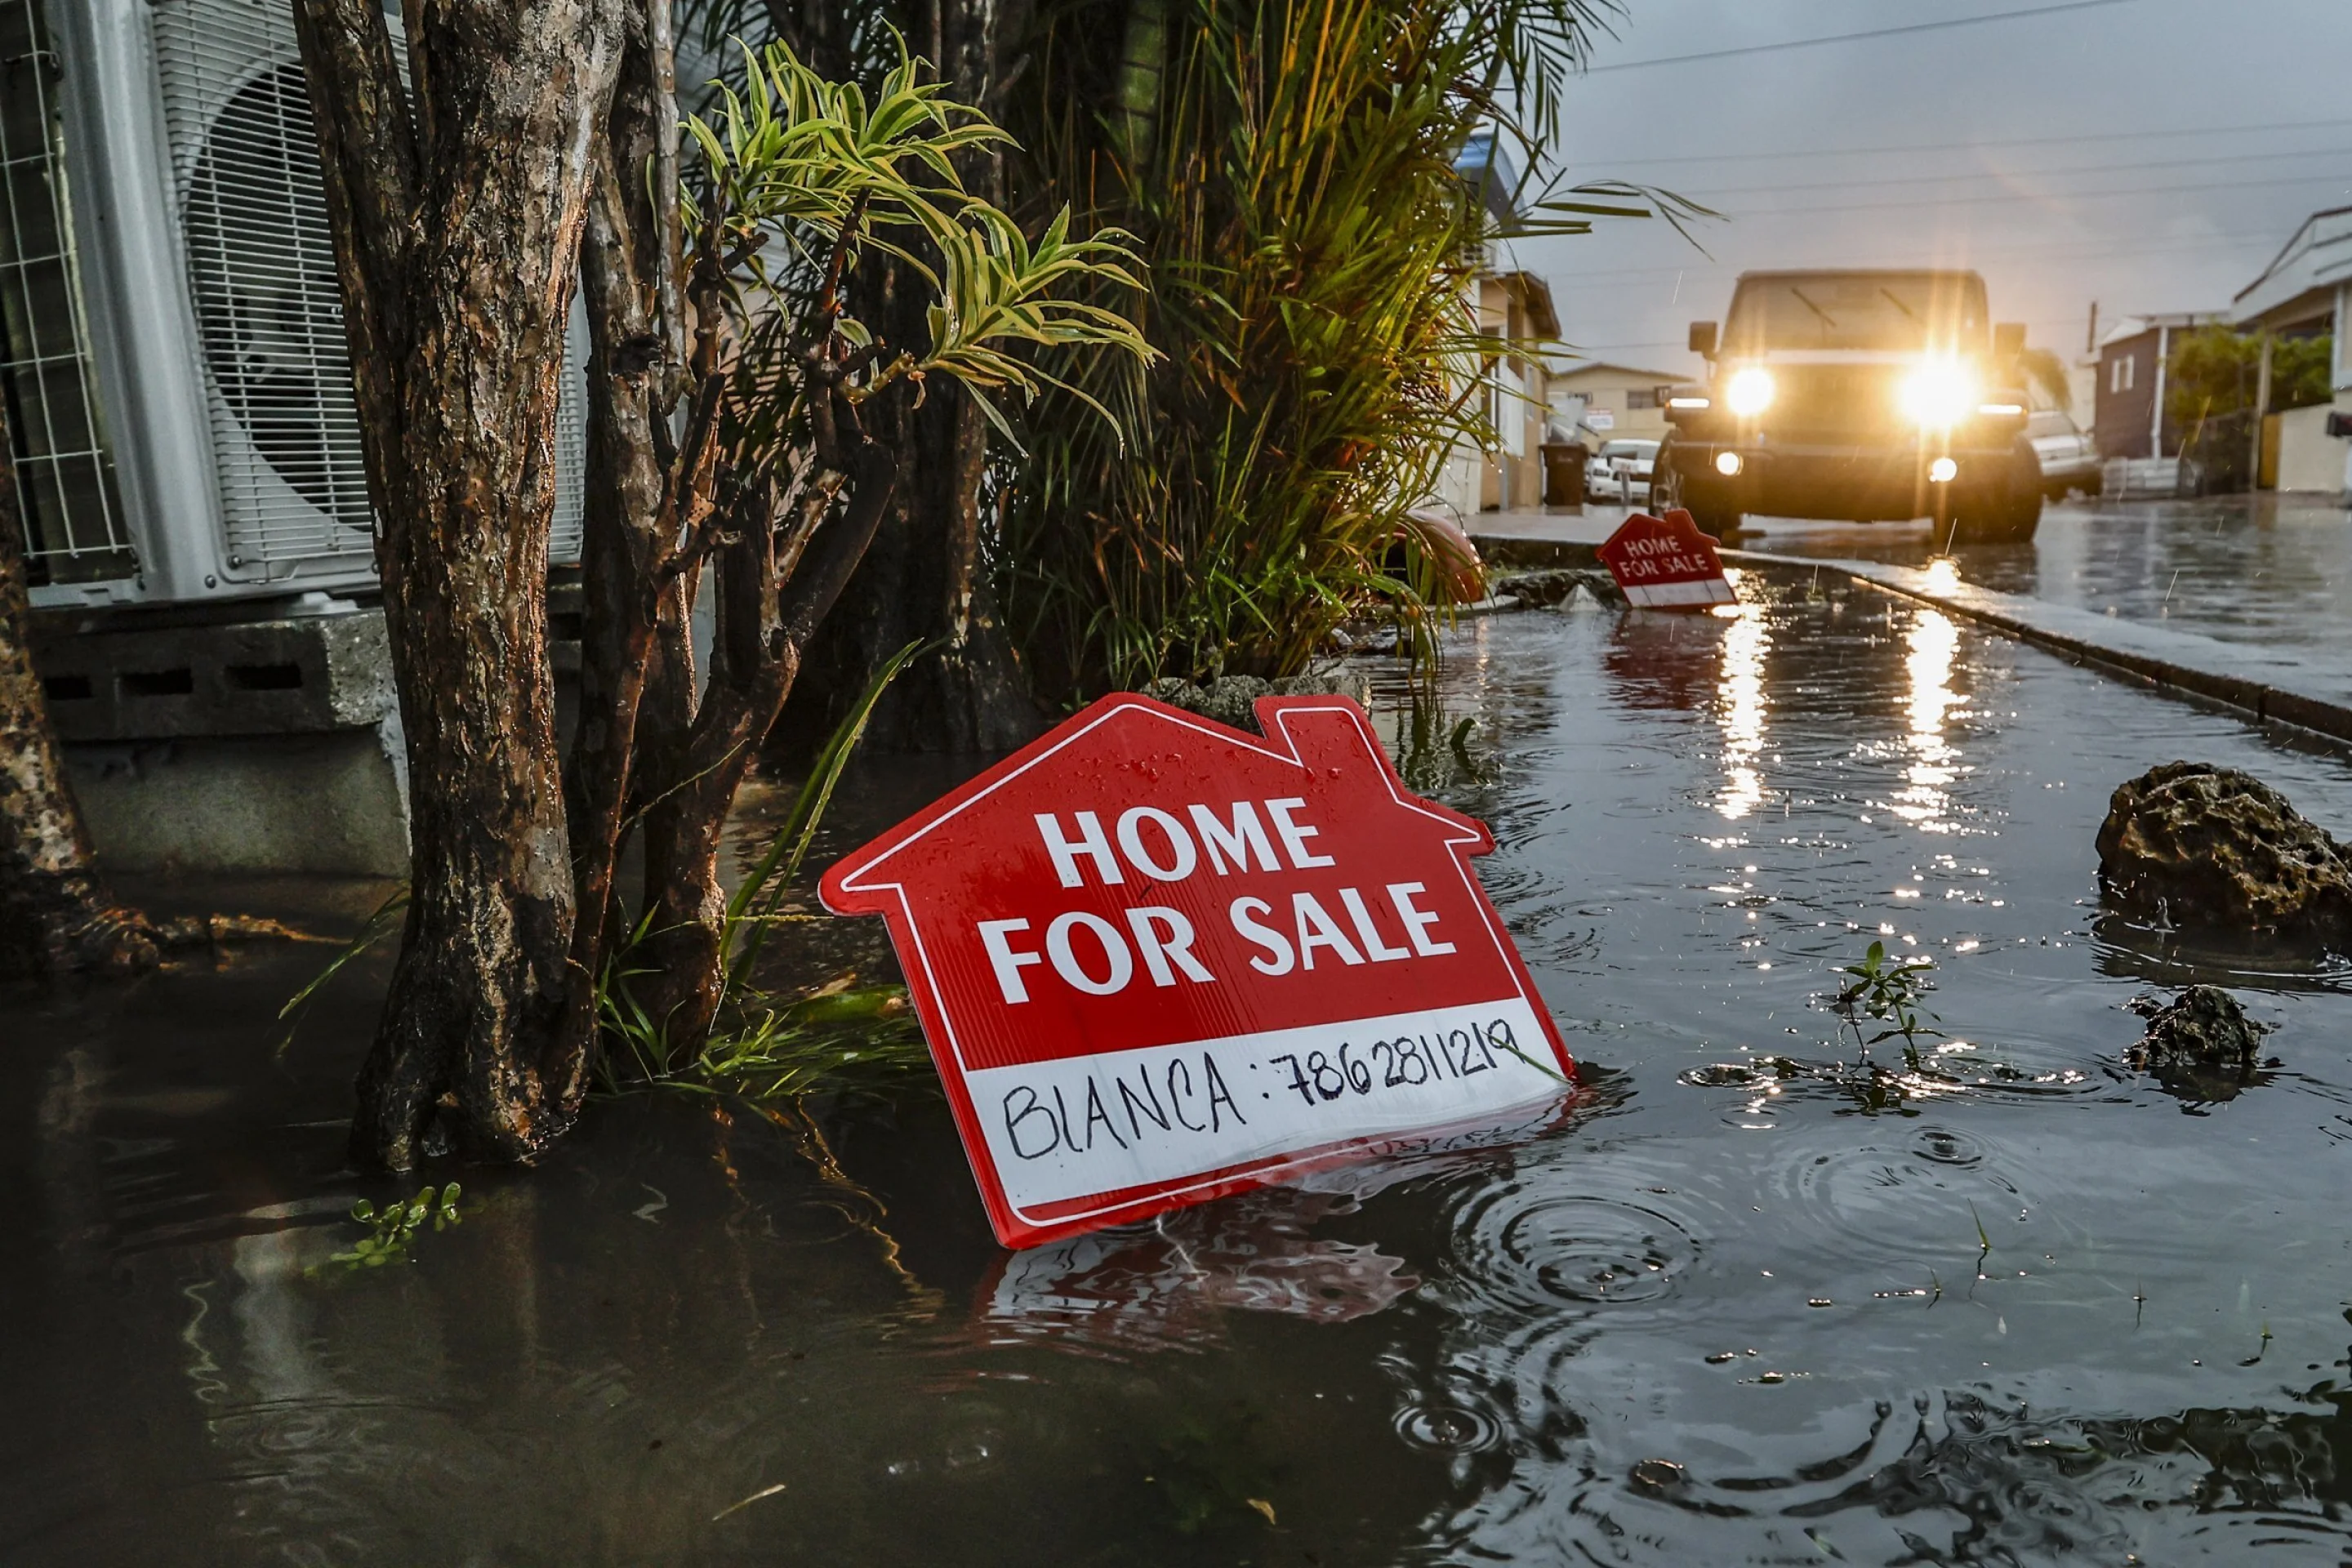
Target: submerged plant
{"type": "Point", "coordinates": [1887, 992]}
{"type": "Point", "coordinates": [394, 1227]}
{"type": "Point", "coordinates": [761, 1047]}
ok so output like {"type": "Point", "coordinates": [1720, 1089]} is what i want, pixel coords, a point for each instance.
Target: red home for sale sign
{"type": "Point", "coordinates": [1160, 960]}
{"type": "Point", "coordinates": [1667, 564]}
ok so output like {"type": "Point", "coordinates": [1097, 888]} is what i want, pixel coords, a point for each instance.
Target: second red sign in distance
{"type": "Point", "coordinates": [1159, 959]}
{"type": "Point", "coordinates": [1667, 564]}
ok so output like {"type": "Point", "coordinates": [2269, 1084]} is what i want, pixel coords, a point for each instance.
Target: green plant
{"type": "Point", "coordinates": [760, 1047]}
{"type": "Point", "coordinates": [1290, 170]}
{"type": "Point", "coordinates": [394, 1227]}
{"type": "Point", "coordinates": [381, 924]}
{"type": "Point", "coordinates": [1887, 991]}
{"type": "Point", "coordinates": [2045, 370]}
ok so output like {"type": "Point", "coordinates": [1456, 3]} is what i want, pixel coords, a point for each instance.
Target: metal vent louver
{"type": "Point", "coordinates": [65, 465]}
{"type": "Point", "coordinates": [261, 279]}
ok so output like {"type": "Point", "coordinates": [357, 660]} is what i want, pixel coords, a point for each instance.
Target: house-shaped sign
{"type": "Point", "coordinates": [1160, 960]}
{"type": "Point", "coordinates": [1667, 564]}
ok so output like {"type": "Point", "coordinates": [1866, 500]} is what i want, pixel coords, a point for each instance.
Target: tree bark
{"type": "Point", "coordinates": [56, 912]}
{"type": "Point", "coordinates": [457, 226]}
{"type": "Point", "coordinates": [621, 256]}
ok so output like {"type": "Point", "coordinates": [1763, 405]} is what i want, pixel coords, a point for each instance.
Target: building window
{"type": "Point", "coordinates": [2119, 371]}
{"type": "Point", "coordinates": [1641, 397]}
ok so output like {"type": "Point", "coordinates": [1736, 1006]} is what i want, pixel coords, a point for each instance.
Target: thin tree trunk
{"type": "Point", "coordinates": [455, 232]}
{"type": "Point", "coordinates": [56, 913]}
{"type": "Point", "coordinates": [622, 545]}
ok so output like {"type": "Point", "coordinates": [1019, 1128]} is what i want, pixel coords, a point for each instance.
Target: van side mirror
{"type": "Point", "coordinates": [2007, 340]}
{"type": "Point", "coordinates": [1702, 339]}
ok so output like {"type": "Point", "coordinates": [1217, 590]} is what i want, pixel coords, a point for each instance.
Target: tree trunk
{"type": "Point", "coordinates": [925, 578]}
{"type": "Point", "coordinates": [456, 231]}
{"type": "Point", "coordinates": [621, 545]}
{"type": "Point", "coordinates": [56, 913]}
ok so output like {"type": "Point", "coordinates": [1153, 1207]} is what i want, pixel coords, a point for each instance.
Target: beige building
{"type": "Point", "coordinates": [1597, 402]}
{"type": "Point", "coordinates": [1515, 312]}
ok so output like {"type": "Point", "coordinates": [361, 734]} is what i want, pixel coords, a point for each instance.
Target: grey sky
{"type": "Point", "coordinates": [2044, 116]}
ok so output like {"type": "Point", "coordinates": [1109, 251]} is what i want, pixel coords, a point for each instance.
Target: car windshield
{"type": "Point", "coordinates": [1629, 449]}
{"type": "Point", "coordinates": [1881, 311]}
{"type": "Point", "coordinates": [2050, 422]}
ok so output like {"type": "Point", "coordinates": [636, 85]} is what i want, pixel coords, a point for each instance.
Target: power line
{"type": "Point", "coordinates": [1601, 283]}
{"type": "Point", "coordinates": [1851, 37]}
{"type": "Point", "coordinates": [2025, 173]}
{"type": "Point", "coordinates": [1972, 146]}
{"type": "Point", "coordinates": [2036, 197]}
{"type": "Point", "coordinates": [2063, 250]}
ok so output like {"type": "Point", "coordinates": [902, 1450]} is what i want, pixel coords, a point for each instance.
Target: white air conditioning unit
{"type": "Point", "coordinates": [182, 397]}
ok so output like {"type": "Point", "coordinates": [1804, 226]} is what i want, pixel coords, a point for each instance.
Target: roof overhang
{"type": "Point", "coordinates": [1535, 294]}
{"type": "Point", "coordinates": [2299, 286]}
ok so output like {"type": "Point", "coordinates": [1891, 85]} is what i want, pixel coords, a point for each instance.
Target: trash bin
{"type": "Point", "coordinates": [1563, 466]}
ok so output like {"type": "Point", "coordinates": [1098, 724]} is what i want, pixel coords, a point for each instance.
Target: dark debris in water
{"type": "Point", "coordinates": [2200, 1046]}
{"type": "Point", "coordinates": [2203, 1024]}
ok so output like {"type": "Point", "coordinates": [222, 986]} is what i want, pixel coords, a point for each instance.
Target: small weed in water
{"type": "Point", "coordinates": [395, 1227]}
{"type": "Point", "coordinates": [1887, 991]}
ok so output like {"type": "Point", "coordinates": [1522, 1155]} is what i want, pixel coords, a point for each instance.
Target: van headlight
{"type": "Point", "coordinates": [1750, 391]}
{"type": "Point", "coordinates": [1939, 394]}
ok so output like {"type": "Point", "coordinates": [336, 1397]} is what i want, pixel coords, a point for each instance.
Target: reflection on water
{"type": "Point", "coordinates": [2271, 569]}
{"type": "Point", "coordinates": [1755, 1299]}
{"type": "Point", "coordinates": [1924, 800]}
{"type": "Point", "coordinates": [1739, 708]}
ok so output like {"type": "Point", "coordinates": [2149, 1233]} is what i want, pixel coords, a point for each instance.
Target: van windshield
{"type": "Point", "coordinates": [1899, 311]}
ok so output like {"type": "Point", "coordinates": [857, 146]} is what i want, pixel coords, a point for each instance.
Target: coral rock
{"type": "Point", "coordinates": [2207, 845]}
{"type": "Point", "coordinates": [2203, 1026]}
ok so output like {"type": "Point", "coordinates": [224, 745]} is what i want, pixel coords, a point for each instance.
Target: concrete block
{"type": "Point", "coordinates": [327, 803]}
{"type": "Point", "coordinates": [128, 680]}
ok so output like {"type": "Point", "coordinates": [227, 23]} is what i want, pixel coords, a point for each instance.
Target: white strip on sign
{"type": "Point", "coordinates": [1705, 591]}
{"type": "Point", "coordinates": [1094, 1124]}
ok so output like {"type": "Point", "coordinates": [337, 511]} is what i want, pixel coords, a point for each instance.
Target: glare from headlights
{"type": "Point", "coordinates": [1939, 394]}
{"type": "Point", "coordinates": [1750, 391]}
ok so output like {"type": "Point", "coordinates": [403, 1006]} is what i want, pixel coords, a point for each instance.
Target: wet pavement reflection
{"type": "Point", "coordinates": [1755, 1297]}
{"type": "Point", "coordinates": [2271, 569]}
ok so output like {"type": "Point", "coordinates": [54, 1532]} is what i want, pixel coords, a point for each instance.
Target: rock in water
{"type": "Point", "coordinates": [2203, 1026]}
{"type": "Point", "coordinates": [2207, 845]}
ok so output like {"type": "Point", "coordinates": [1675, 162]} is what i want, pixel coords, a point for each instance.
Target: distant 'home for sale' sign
{"type": "Point", "coordinates": [1667, 564]}
{"type": "Point", "coordinates": [1160, 960]}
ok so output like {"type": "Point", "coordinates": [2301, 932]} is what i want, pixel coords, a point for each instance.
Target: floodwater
{"type": "Point", "coordinates": [1755, 1298]}
{"type": "Point", "coordinates": [2271, 569]}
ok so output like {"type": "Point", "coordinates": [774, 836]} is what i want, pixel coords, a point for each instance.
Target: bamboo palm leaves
{"type": "Point", "coordinates": [1289, 166]}
{"type": "Point", "coordinates": [832, 172]}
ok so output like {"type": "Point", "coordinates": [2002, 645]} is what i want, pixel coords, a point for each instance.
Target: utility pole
{"type": "Point", "coordinates": [2261, 409]}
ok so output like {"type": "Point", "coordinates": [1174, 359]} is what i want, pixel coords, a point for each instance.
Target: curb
{"type": "Point", "coordinates": [2267, 685]}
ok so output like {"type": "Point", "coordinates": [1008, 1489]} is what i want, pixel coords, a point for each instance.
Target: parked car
{"type": "Point", "coordinates": [2069, 460]}
{"type": "Point", "coordinates": [1620, 471]}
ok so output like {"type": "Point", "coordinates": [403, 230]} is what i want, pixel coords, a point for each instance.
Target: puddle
{"type": "Point", "coordinates": [1756, 1299]}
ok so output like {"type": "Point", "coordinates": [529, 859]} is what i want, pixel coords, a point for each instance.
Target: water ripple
{"type": "Point", "coordinates": [1536, 1251]}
